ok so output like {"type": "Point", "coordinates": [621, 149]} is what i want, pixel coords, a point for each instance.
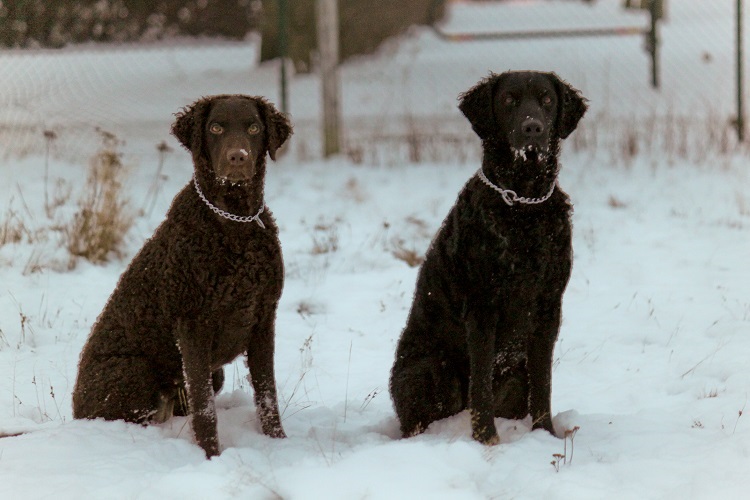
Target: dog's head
{"type": "Point", "coordinates": [231, 134]}
{"type": "Point", "coordinates": [527, 111]}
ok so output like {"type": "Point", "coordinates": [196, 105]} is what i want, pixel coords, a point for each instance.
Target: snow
{"type": "Point", "coordinates": [651, 362]}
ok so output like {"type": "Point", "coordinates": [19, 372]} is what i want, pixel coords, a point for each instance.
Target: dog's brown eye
{"type": "Point", "coordinates": [546, 100]}
{"type": "Point", "coordinates": [215, 128]}
{"type": "Point", "coordinates": [508, 100]}
{"type": "Point", "coordinates": [253, 129]}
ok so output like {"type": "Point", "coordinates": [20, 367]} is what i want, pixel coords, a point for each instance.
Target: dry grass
{"type": "Point", "coordinates": [354, 191]}
{"type": "Point", "coordinates": [155, 188]}
{"type": "Point", "coordinates": [97, 229]}
{"type": "Point", "coordinates": [419, 234]}
{"type": "Point", "coordinates": [306, 309]}
{"type": "Point", "coordinates": [618, 139]}
{"type": "Point", "coordinates": [707, 394]}
{"type": "Point", "coordinates": [615, 202]}
{"type": "Point", "coordinates": [325, 237]}
{"type": "Point", "coordinates": [13, 228]}
{"type": "Point", "coordinates": [410, 255]}
{"type": "Point", "coordinates": [103, 218]}
{"type": "Point", "coordinates": [743, 205]}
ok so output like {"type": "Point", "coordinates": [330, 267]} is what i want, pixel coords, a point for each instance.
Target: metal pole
{"type": "Point", "coordinates": [740, 111]}
{"type": "Point", "coordinates": [653, 42]}
{"type": "Point", "coordinates": [284, 51]}
{"type": "Point", "coordinates": [328, 45]}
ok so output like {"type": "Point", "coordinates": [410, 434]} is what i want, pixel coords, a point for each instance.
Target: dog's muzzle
{"type": "Point", "coordinates": [236, 166]}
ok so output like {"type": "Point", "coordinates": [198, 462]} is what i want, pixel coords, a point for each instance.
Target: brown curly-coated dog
{"type": "Point", "coordinates": [203, 290]}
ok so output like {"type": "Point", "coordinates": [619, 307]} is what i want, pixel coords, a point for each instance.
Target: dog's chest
{"type": "Point", "coordinates": [242, 303]}
{"type": "Point", "coordinates": [244, 281]}
{"type": "Point", "coordinates": [244, 277]}
{"type": "Point", "coordinates": [528, 250]}
{"type": "Point", "coordinates": [533, 269]}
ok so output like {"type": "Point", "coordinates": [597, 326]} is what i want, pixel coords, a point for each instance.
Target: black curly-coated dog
{"type": "Point", "coordinates": [203, 290]}
{"type": "Point", "coordinates": [487, 306]}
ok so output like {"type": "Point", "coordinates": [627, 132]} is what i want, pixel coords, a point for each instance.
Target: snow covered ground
{"type": "Point", "coordinates": [652, 360]}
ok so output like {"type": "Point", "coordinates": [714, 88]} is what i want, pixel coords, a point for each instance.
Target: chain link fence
{"type": "Point", "coordinates": [399, 104]}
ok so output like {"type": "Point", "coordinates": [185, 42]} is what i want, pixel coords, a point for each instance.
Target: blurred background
{"type": "Point", "coordinates": [662, 76]}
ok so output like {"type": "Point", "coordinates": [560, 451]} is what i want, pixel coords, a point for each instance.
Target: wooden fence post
{"type": "Point", "coordinates": [284, 52]}
{"type": "Point", "coordinates": [328, 46]}
{"type": "Point", "coordinates": [740, 93]}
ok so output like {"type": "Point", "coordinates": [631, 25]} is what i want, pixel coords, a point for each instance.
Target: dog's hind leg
{"type": "Point", "coordinates": [424, 390]}
{"type": "Point", "coordinates": [117, 388]}
{"type": "Point", "coordinates": [217, 380]}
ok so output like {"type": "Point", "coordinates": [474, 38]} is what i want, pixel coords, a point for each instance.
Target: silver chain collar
{"type": "Point", "coordinates": [227, 215]}
{"type": "Point", "coordinates": [510, 197]}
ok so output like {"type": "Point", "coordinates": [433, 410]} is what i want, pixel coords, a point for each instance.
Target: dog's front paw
{"type": "Point", "coordinates": [486, 434]}
{"type": "Point", "coordinates": [483, 428]}
{"type": "Point", "coordinates": [278, 433]}
{"type": "Point", "coordinates": [274, 431]}
{"type": "Point", "coordinates": [210, 447]}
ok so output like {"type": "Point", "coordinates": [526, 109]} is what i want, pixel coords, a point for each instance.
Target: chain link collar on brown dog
{"type": "Point", "coordinates": [227, 215]}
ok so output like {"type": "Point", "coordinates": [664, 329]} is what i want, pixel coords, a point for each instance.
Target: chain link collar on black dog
{"type": "Point", "coordinates": [227, 215]}
{"type": "Point", "coordinates": [510, 197]}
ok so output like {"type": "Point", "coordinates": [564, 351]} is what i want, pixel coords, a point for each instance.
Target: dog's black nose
{"type": "Point", "coordinates": [531, 127]}
{"type": "Point", "coordinates": [237, 156]}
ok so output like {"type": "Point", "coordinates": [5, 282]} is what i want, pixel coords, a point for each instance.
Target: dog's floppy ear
{"type": "Point", "coordinates": [278, 127]}
{"type": "Point", "coordinates": [188, 124]}
{"type": "Point", "coordinates": [572, 106]}
{"type": "Point", "coordinates": [476, 105]}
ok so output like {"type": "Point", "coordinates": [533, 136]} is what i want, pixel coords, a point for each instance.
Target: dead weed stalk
{"type": "Point", "coordinates": [103, 218]}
